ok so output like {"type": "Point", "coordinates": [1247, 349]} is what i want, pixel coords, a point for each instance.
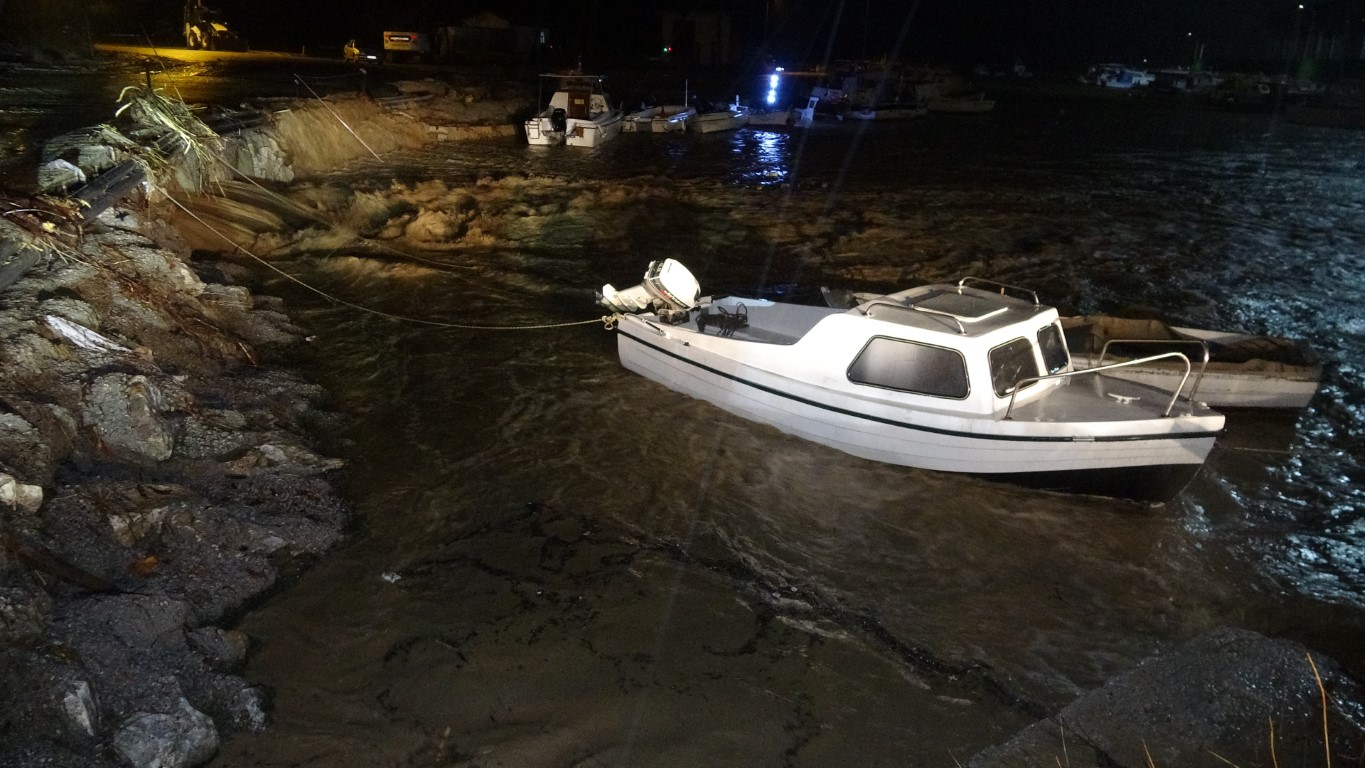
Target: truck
{"type": "Point", "coordinates": [203, 31]}
{"type": "Point", "coordinates": [409, 46]}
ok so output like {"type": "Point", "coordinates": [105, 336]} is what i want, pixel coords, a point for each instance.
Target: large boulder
{"type": "Point", "coordinates": [185, 737]}
{"type": "Point", "coordinates": [1218, 701]}
{"type": "Point", "coordinates": [126, 413]}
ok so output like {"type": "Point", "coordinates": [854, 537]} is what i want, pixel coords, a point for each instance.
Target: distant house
{"type": "Point", "coordinates": [486, 35]}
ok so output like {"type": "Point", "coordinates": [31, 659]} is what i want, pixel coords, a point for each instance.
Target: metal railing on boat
{"type": "Point", "coordinates": [1203, 365]}
{"type": "Point", "coordinates": [969, 282]}
{"type": "Point", "coordinates": [1020, 384]}
{"type": "Point", "coordinates": [867, 311]}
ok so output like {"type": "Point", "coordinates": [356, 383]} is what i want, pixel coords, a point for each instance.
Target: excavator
{"type": "Point", "coordinates": [205, 32]}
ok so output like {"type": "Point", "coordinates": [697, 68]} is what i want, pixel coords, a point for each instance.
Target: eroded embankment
{"type": "Point", "coordinates": [156, 467]}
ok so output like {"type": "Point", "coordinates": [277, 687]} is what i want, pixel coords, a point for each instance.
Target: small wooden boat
{"type": "Point", "coordinates": [948, 377]}
{"type": "Point", "coordinates": [728, 119]}
{"type": "Point", "coordinates": [672, 118]}
{"type": "Point", "coordinates": [639, 120]}
{"type": "Point", "coordinates": [1243, 370]}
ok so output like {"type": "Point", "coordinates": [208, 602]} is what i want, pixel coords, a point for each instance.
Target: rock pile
{"type": "Point", "coordinates": [155, 476]}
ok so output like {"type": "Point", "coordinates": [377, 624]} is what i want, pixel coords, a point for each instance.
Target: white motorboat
{"type": "Point", "coordinates": [672, 118]}
{"type": "Point", "coordinates": [1242, 370]}
{"type": "Point", "coordinates": [578, 114]}
{"type": "Point", "coordinates": [947, 377]}
{"type": "Point", "coordinates": [639, 120]}
{"type": "Point", "coordinates": [775, 118]}
{"type": "Point", "coordinates": [795, 117]}
{"type": "Point", "coordinates": [732, 117]}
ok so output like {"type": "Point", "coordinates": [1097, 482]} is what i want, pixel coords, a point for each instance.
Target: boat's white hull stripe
{"type": "Point", "coordinates": [920, 427]}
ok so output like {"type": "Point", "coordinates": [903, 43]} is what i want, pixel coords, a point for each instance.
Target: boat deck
{"type": "Point", "coordinates": [766, 322]}
{"type": "Point", "coordinates": [1074, 400]}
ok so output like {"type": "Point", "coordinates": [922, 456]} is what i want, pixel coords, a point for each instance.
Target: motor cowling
{"type": "Point", "coordinates": [667, 285]}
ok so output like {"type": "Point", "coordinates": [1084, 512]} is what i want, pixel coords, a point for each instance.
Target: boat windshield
{"type": "Point", "coordinates": [1052, 346]}
{"type": "Point", "coordinates": [1011, 362]}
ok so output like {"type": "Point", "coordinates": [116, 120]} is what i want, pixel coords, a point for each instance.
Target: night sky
{"type": "Point", "coordinates": [1042, 33]}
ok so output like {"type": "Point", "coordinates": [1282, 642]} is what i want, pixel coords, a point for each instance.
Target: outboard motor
{"type": "Point", "coordinates": [667, 286]}
{"type": "Point", "coordinates": [559, 121]}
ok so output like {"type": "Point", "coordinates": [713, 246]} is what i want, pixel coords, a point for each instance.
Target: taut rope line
{"type": "Point", "coordinates": [609, 321]}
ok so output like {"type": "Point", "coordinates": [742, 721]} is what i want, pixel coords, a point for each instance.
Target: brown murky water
{"type": "Point", "coordinates": [559, 563]}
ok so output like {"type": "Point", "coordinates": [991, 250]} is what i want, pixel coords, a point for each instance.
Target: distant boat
{"type": "Point", "coordinates": [639, 120]}
{"type": "Point", "coordinates": [671, 118]}
{"type": "Point", "coordinates": [886, 112]}
{"type": "Point", "coordinates": [727, 119]}
{"type": "Point", "coordinates": [578, 115]}
{"type": "Point", "coordinates": [1117, 76]}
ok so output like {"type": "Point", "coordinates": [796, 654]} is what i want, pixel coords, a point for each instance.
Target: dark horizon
{"type": "Point", "coordinates": [1041, 34]}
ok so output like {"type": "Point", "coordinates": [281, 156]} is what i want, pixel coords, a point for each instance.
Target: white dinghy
{"type": "Point", "coordinates": [948, 377]}
{"type": "Point", "coordinates": [1242, 371]}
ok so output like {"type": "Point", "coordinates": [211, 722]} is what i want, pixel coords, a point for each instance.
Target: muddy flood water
{"type": "Point", "coordinates": [559, 563]}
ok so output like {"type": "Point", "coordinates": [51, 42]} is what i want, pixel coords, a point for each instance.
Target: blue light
{"type": "Point", "coordinates": [772, 82]}
{"type": "Point", "coordinates": [772, 97]}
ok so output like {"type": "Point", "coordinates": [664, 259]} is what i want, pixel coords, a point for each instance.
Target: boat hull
{"type": "Point", "coordinates": [1153, 466]}
{"type": "Point", "coordinates": [714, 122]}
{"type": "Point", "coordinates": [1150, 467]}
{"type": "Point", "coordinates": [671, 119]}
{"type": "Point", "coordinates": [541, 133]}
{"type": "Point", "coordinates": [593, 133]}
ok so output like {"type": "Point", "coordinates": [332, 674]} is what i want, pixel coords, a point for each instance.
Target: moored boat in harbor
{"type": "Point", "coordinates": [671, 118]}
{"type": "Point", "coordinates": [948, 377]}
{"type": "Point", "coordinates": [731, 117]}
{"type": "Point", "coordinates": [578, 114]}
{"type": "Point", "coordinates": [1242, 370]}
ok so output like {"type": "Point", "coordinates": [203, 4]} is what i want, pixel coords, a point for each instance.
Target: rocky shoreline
{"type": "Point", "coordinates": [158, 468]}
{"type": "Point", "coordinates": [157, 474]}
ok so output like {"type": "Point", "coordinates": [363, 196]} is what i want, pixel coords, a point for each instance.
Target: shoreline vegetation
{"type": "Point", "coordinates": [160, 471]}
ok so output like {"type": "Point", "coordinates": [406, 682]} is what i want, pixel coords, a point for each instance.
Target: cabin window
{"type": "Point", "coordinates": [1050, 343]}
{"type": "Point", "coordinates": [1011, 362]}
{"type": "Point", "coordinates": [911, 367]}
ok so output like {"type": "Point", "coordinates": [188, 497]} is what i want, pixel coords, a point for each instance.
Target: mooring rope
{"type": "Point", "coordinates": [333, 228]}
{"type": "Point", "coordinates": [328, 107]}
{"type": "Point", "coordinates": [608, 321]}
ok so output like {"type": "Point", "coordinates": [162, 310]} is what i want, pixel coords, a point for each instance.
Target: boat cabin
{"type": "Point", "coordinates": [579, 100]}
{"type": "Point", "coordinates": [947, 337]}
{"type": "Point", "coordinates": [933, 344]}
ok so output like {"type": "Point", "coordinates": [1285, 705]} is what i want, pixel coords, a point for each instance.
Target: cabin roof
{"type": "Point", "coordinates": [951, 309]}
